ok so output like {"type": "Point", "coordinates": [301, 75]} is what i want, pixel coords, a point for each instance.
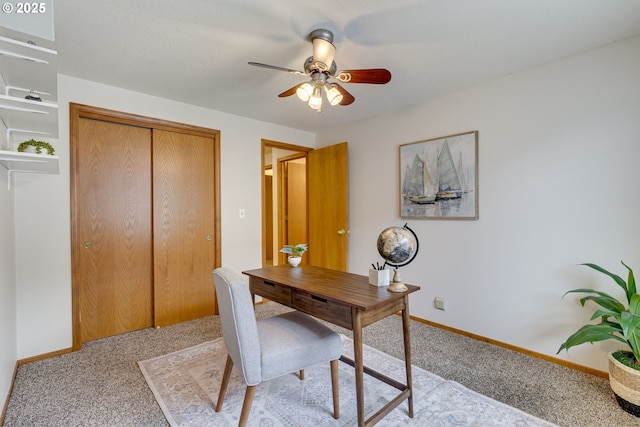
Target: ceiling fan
{"type": "Point", "coordinates": [322, 69]}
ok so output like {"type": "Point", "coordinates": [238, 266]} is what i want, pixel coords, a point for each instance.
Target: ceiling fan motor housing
{"type": "Point", "coordinates": [321, 34]}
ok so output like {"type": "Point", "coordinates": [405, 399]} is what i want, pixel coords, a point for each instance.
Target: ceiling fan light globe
{"type": "Point", "coordinates": [304, 92]}
{"type": "Point", "coordinates": [334, 96]}
{"type": "Point", "coordinates": [315, 102]}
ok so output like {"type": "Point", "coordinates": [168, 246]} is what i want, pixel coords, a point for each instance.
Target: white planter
{"type": "Point", "coordinates": [32, 150]}
{"type": "Point", "coordinates": [294, 260]}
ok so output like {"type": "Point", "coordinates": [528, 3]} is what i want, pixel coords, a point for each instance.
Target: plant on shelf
{"type": "Point", "coordinates": [295, 250]}
{"type": "Point", "coordinates": [38, 145]}
{"type": "Point", "coordinates": [619, 321]}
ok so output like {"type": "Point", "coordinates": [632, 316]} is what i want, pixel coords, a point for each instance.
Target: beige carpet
{"type": "Point", "coordinates": [185, 384]}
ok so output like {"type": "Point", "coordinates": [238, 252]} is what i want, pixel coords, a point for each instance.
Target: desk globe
{"type": "Point", "coordinates": [398, 246]}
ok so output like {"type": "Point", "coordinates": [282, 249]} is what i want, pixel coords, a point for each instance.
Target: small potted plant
{"type": "Point", "coordinates": [295, 252]}
{"type": "Point", "coordinates": [37, 146]}
{"type": "Point", "coordinates": [620, 321]}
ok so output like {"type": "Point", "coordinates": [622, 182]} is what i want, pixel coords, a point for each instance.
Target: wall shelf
{"type": "Point", "coordinates": [26, 67]}
{"type": "Point", "coordinates": [14, 161]}
{"type": "Point", "coordinates": [40, 118]}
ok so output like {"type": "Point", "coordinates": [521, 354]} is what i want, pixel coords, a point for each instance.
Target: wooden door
{"type": "Point", "coordinates": [183, 226]}
{"type": "Point", "coordinates": [113, 257]}
{"type": "Point", "coordinates": [329, 207]}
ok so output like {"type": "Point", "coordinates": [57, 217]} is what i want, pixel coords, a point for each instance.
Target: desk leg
{"type": "Point", "coordinates": [359, 364]}
{"type": "Point", "coordinates": [407, 350]}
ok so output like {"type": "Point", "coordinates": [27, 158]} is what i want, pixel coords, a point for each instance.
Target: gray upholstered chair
{"type": "Point", "coordinates": [271, 347]}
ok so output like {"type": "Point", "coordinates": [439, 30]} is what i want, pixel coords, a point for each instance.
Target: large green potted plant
{"type": "Point", "coordinates": [620, 321]}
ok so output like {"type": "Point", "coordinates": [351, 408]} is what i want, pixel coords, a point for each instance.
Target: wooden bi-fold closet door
{"type": "Point", "coordinates": [145, 222]}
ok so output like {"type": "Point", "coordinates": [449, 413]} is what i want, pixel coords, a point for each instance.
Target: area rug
{"type": "Point", "coordinates": [186, 385]}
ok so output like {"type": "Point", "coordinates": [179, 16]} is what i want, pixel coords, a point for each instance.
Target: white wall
{"type": "Point", "coordinates": [7, 287]}
{"type": "Point", "coordinates": [43, 206]}
{"type": "Point", "coordinates": [559, 185]}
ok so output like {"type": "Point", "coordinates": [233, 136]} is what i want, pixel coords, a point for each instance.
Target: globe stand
{"type": "Point", "coordinates": [398, 246]}
{"type": "Point", "coordinates": [397, 285]}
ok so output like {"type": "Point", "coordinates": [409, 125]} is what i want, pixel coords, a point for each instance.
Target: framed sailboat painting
{"type": "Point", "coordinates": [439, 177]}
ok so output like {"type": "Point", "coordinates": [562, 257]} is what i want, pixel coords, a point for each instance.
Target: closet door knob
{"type": "Point", "coordinates": [209, 237]}
{"type": "Point", "coordinates": [88, 244]}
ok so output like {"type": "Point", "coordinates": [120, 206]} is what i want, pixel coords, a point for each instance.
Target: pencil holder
{"type": "Point", "coordinates": [379, 277]}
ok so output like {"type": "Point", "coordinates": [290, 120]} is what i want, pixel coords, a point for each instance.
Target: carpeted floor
{"type": "Point", "coordinates": [102, 385]}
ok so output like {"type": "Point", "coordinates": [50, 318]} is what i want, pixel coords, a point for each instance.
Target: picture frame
{"type": "Point", "coordinates": [439, 177]}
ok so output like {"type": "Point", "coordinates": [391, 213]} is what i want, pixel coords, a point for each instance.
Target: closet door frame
{"type": "Point", "coordinates": [78, 111]}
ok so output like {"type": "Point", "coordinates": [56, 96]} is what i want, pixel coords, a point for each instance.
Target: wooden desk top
{"type": "Point", "coordinates": [346, 288]}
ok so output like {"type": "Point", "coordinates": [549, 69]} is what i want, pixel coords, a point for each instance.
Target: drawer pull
{"type": "Point", "coordinates": [318, 298]}
{"type": "Point", "coordinates": [269, 283]}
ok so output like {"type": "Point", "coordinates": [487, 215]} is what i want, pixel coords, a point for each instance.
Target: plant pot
{"type": "Point", "coordinates": [294, 260]}
{"type": "Point", "coordinates": [32, 146]}
{"type": "Point", "coordinates": [625, 383]}
{"type": "Point", "coordinates": [33, 150]}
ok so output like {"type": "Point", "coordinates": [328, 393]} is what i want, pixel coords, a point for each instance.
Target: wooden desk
{"type": "Point", "coordinates": [346, 300]}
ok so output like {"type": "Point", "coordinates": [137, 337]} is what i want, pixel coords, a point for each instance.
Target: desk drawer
{"type": "Point", "coordinates": [270, 291]}
{"type": "Point", "coordinates": [323, 309]}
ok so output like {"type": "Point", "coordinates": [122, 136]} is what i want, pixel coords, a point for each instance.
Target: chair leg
{"type": "Point", "coordinates": [335, 388]}
{"type": "Point", "coordinates": [246, 405]}
{"type": "Point", "coordinates": [225, 383]}
{"type": "Point", "coordinates": [301, 374]}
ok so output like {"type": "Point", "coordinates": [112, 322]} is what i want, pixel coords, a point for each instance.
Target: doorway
{"type": "Point", "coordinates": [284, 198]}
{"type": "Point", "coordinates": [322, 199]}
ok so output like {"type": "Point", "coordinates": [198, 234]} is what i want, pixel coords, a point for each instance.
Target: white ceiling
{"type": "Point", "coordinates": [196, 51]}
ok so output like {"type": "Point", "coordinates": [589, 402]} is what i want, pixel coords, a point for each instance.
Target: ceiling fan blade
{"type": "Point", "coordinates": [273, 67]}
{"type": "Point", "coordinates": [291, 91]}
{"type": "Point", "coordinates": [377, 76]}
{"type": "Point", "coordinates": [347, 98]}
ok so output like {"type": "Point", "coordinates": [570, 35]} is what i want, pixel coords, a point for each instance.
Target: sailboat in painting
{"type": "Point", "coordinates": [448, 180]}
{"type": "Point", "coordinates": [417, 185]}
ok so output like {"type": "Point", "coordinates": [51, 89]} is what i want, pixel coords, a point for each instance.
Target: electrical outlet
{"type": "Point", "coordinates": [438, 303]}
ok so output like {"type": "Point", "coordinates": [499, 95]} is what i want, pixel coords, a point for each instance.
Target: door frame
{"type": "Point", "coordinates": [302, 152]}
{"type": "Point", "coordinates": [78, 111]}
